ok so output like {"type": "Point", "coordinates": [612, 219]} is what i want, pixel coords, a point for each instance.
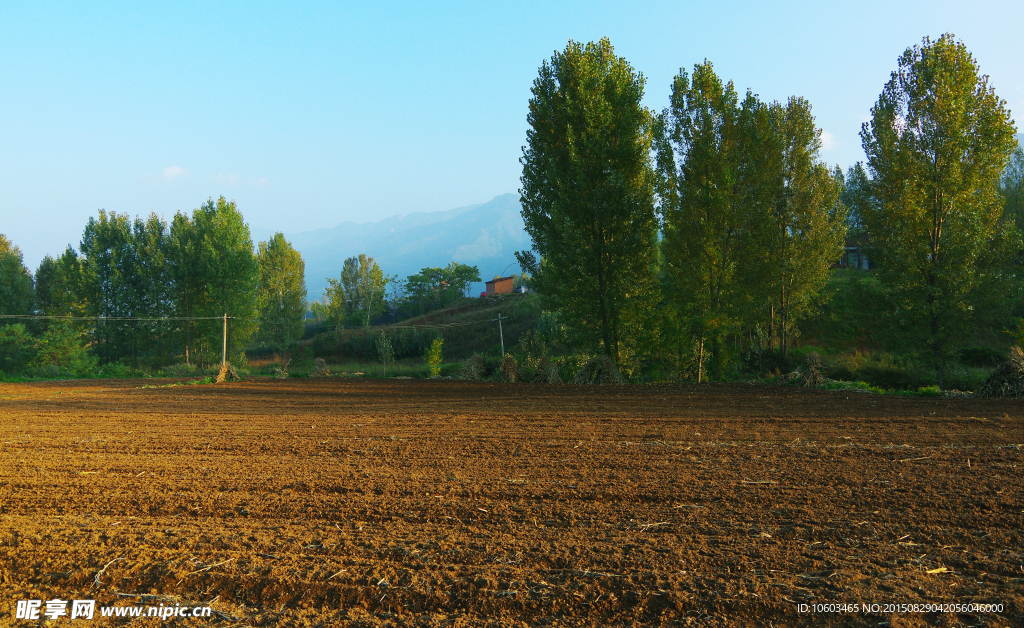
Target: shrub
{"type": "Point", "coordinates": [473, 368]}
{"type": "Point", "coordinates": [114, 370]}
{"type": "Point", "coordinates": [179, 370]}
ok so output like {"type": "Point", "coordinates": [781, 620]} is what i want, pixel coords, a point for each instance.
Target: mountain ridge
{"type": "Point", "coordinates": [484, 234]}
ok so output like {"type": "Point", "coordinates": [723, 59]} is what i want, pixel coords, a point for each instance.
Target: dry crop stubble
{"type": "Point", "coordinates": [389, 502]}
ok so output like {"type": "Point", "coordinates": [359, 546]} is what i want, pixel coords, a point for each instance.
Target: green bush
{"type": "Point", "coordinates": [17, 348]}
{"type": "Point", "coordinates": [114, 369]}
{"type": "Point", "coordinates": [982, 356]}
{"type": "Point", "coordinates": [61, 346]}
{"type": "Point", "coordinates": [179, 370]}
{"type": "Point", "coordinates": [361, 345]}
{"type": "Point", "coordinates": [837, 385]}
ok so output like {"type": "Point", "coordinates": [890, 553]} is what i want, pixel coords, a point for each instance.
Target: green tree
{"type": "Point", "coordinates": [214, 271]}
{"type": "Point", "coordinates": [61, 288]}
{"type": "Point", "coordinates": [704, 215]}
{"type": "Point", "coordinates": [459, 277]}
{"type": "Point", "coordinates": [62, 347]}
{"type": "Point", "coordinates": [440, 287]}
{"type": "Point", "coordinates": [358, 296]}
{"type": "Point", "coordinates": [938, 140]}
{"type": "Point", "coordinates": [114, 286]}
{"type": "Point", "coordinates": [434, 357]}
{"type": "Point", "coordinates": [1011, 187]}
{"type": "Point", "coordinates": [17, 348]}
{"type": "Point", "coordinates": [802, 233]}
{"type": "Point", "coordinates": [124, 275]}
{"type": "Point", "coordinates": [17, 295]}
{"type": "Point", "coordinates": [855, 196]}
{"type": "Point", "coordinates": [588, 197]}
{"type": "Point", "coordinates": [750, 215]}
{"type": "Point", "coordinates": [282, 292]}
{"type": "Point", "coordinates": [152, 243]}
{"type": "Point", "coordinates": [184, 252]}
{"type": "Point", "coordinates": [385, 351]}
{"type": "Point", "coordinates": [230, 272]}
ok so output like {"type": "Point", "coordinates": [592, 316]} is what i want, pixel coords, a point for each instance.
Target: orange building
{"type": "Point", "coordinates": [501, 285]}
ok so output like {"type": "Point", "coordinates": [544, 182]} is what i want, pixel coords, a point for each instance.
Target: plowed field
{"type": "Point", "coordinates": [424, 503]}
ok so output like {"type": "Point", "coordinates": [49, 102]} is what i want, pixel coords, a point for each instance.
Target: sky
{"type": "Point", "coordinates": [309, 114]}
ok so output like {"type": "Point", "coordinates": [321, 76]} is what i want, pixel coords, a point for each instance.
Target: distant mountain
{"type": "Point", "coordinates": [485, 235]}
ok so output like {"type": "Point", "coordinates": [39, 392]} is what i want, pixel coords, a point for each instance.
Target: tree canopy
{"type": "Point", "coordinates": [436, 287]}
{"type": "Point", "coordinates": [17, 295]}
{"type": "Point", "coordinates": [752, 220]}
{"type": "Point", "coordinates": [358, 296]}
{"type": "Point", "coordinates": [588, 197]}
{"type": "Point", "coordinates": [937, 143]}
{"type": "Point", "coordinates": [282, 292]}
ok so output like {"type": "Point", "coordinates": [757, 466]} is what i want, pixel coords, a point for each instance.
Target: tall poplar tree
{"type": "Point", "coordinates": [938, 140]}
{"type": "Point", "coordinates": [703, 211]}
{"type": "Point", "coordinates": [184, 252]}
{"type": "Point", "coordinates": [752, 220]}
{"type": "Point", "coordinates": [110, 270]}
{"type": "Point", "coordinates": [230, 274]}
{"type": "Point", "coordinates": [358, 296]}
{"type": "Point", "coordinates": [282, 292]}
{"type": "Point", "coordinates": [215, 272]}
{"type": "Point", "coordinates": [803, 233]}
{"type": "Point", "coordinates": [124, 274]}
{"type": "Point", "coordinates": [588, 197]}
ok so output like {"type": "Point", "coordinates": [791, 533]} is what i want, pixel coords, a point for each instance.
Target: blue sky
{"type": "Point", "coordinates": [309, 114]}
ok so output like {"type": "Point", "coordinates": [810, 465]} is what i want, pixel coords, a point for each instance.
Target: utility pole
{"type": "Point", "coordinates": [500, 333]}
{"type": "Point", "coordinates": [224, 353]}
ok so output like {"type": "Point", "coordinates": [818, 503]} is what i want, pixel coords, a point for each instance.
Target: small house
{"type": "Point", "coordinates": [500, 285]}
{"type": "Point", "coordinates": [854, 255]}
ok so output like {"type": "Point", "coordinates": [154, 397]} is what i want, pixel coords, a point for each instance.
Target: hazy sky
{"type": "Point", "coordinates": [309, 114]}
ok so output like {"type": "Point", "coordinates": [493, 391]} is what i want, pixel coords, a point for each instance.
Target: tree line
{"type": "Point", "coordinates": [671, 240]}
{"type": "Point", "coordinates": [148, 292]}
{"type": "Point", "coordinates": [363, 293]}
{"type": "Point", "coordinates": [145, 291]}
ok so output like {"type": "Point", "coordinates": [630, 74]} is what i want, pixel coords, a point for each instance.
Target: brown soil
{"type": "Point", "coordinates": [337, 502]}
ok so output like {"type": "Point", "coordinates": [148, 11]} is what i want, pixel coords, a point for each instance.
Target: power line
{"type": "Point", "coordinates": [117, 318]}
{"type": "Point", "coordinates": [512, 303]}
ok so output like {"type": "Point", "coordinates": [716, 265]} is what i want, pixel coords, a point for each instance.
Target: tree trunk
{"type": "Point", "coordinates": [940, 365]}
{"type": "Point", "coordinates": [700, 358]}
